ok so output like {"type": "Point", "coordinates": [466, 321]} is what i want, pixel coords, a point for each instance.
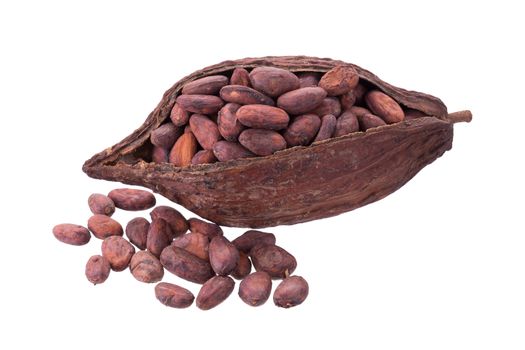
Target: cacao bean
{"type": "Point", "coordinates": [103, 226]}
{"type": "Point", "coordinates": [145, 267]}
{"type": "Point", "coordinates": [184, 149]}
{"type": "Point", "coordinates": [214, 292]}
{"type": "Point", "coordinates": [251, 238]}
{"type": "Point", "coordinates": [339, 80]}
{"type": "Point", "coordinates": [347, 123]}
{"type": "Point", "coordinates": [262, 142]}
{"type": "Point", "coordinates": [244, 95]}
{"type": "Point", "coordinates": [226, 150]}
{"type": "Point", "coordinates": [330, 105]}
{"type": "Point", "coordinates": [207, 229]}
{"type": "Point", "coordinates": [359, 92]}
{"type": "Point", "coordinates": [368, 121]}
{"type": "Point", "coordinates": [229, 126]}
{"type": "Point", "coordinates": [292, 291]}
{"type": "Point", "coordinates": [178, 115]}
{"type": "Point", "coordinates": [101, 204]}
{"type": "Point", "coordinates": [201, 104]}
{"type": "Point", "coordinates": [160, 155]}
{"type": "Point", "coordinates": [185, 265]}
{"type": "Point", "coordinates": [165, 135]}
{"type": "Point", "coordinates": [348, 100]}
{"type": "Point", "coordinates": [132, 199]}
{"type": "Point", "coordinates": [302, 100]}
{"type": "Point", "coordinates": [71, 234]}
{"type": "Point", "coordinates": [118, 252]}
{"type": "Point", "coordinates": [159, 236]}
{"type": "Point", "coordinates": [384, 107]}
{"type": "Point", "coordinates": [302, 130]}
{"type": "Point", "coordinates": [327, 129]}
{"type": "Point", "coordinates": [273, 259]}
{"type": "Point", "coordinates": [209, 85]}
{"type": "Point", "coordinates": [204, 156]}
{"type": "Point", "coordinates": [173, 295]}
{"type": "Point", "coordinates": [175, 220]}
{"type": "Point", "coordinates": [243, 268]}
{"type": "Point", "coordinates": [137, 232]}
{"type": "Point", "coordinates": [224, 256]}
{"type": "Point", "coordinates": [359, 111]}
{"type": "Point", "coordinates": [263, 117]}
{"type": "Point", "coordinates": [195, 243]}
{"type": "Point", "coordinates": [255, 289]}
{"type": "Point", "coordinates": [97, 269]}
{"type": "Point", "coordinates": [204, 130]}
{"type": "Point", "coordinates": [308, 79]}
{"type": "Point", "coordinates": [240, 76]}
{"type": "Point", "coordinates": [273, 81]}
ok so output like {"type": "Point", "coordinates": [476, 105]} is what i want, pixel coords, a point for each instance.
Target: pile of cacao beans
{"type": "Point", "coordinates": [266, 110]}
{"type": "Point", "coordinates": [203, 255]}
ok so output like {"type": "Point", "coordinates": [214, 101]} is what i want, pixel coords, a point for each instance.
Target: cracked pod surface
{"type": "Point", "coordinates": [297, 184]}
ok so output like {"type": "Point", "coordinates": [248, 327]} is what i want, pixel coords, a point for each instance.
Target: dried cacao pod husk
{"type": "Point", "coordinates": [295, 185]}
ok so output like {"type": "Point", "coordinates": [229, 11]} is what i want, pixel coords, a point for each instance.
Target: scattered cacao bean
{"type": "Point", "coordinates": [194, 243]}
{"type": "Point", "coordinates": [251, 238]}
{"type": "Point", "coordinates": [255, 289]}
{"type": "Point", "coordinates": [214, 292]}
{"type": "Point", "coordinates": [243, 268]}
{"type": "Point", "coordinates": [132, 199]}
{"type": "Point", "coordinates": [208, 229]}
{"type": "Point", "coordinates": [185, 265]}
{"type": "Point", "coordinates": [137, 232]}
{"type": "Point", "coordinates": [97, 269]}
{"type": "Point", "coordinates": [175, 220]}
{"type": "Point", "coordinates": [292, 291]}
{"type": "Point", "coordinates": [145, 267]}
{"type": "Point", "coordinates": [101, 204]}
{"type": "Point", "coordinates": [159, 236]}
{"type": "Point", "coordinates": [224, 256]}
{"type": "Point", "coordinates": [273, 259]}
{"type": "Point", "coordinates": [173, 296]}
{"type": "Point", "coordinates": [103, 226]}
{"type": "Point", "coordinates": [118, 252]}
{"type": "Point", "coordinates": [72, 234]}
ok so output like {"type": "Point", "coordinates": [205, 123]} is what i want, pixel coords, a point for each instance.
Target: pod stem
{"type": "Point", "coordinates": [460, 116]}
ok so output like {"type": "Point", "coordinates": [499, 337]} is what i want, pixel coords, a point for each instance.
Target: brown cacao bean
{"type": "Point", "coordinates": [273, 81]}
{"type": "Point", "coordinates": [165, 135]}
{"type": "Point", "coordinates": [159, 236]}
{"type": "Point", "coordinates": [292, 291]}
{"type": "Point", "coordinates": [160, 155]}
{"type": "Point", "coordinates": [185, 265]}
{"type": "Point", "coordinates": [72, 234]}
{"type": "Point", "coordinates": [255, 289]}
{"type": "Point", "coordinates": [330, 105]}
{"type": "Point", "coordinates": [346, 123]}
{"type": "Point", "coordinates": [327, 129]}
{"type": "Point", "coordinates": [202, 104]}
{"type": "Point", "coordinates": [132, 199]}
{"type": "Point", "coordinates": [251, 238]}
{"type": "Point", "coordinates": [195, 243]}
{"type": "Point", "coordinates": [240, 76]}
{"type": "Point", "coordinates": [229, 126]}
{"type": "Point", "coordinates": [184, 149]}
{"type": "Point", "coordinates": [103, 226]}
{"type": "Point", "coordinates": [204, 156]}
{"type": "Point", "coordinates": [348, 100]}
{"type": "Point", "coordinates": [205, 131]}
{"type": "Point", "coordinates": [145, 267]}
{"type": "Point", "coordinates": [178, 115]}
{"type": "Point", "coordinates": [368, 121]}
{"type": "Point", "coordinates": [273, 259]}
{"type": "Point", "coordinates": [302, 130]}
{"type": "Point", "coordinates": [384, 107]}
{"type": "Point", "coordinates": [97, 269]}
{"type": "Point", "coordinates": [101, 204]}
{"type": "Point", "coordinates": [359, 92]}
{"type": "Point", "coordinates": [308, 79]}
{"type": "Point", "coordinates": [224, 256]}
{"type": "Point", "coordinates": [226, 150]}
{"type": "Point", "coordinates": [263, 117]}
{"type": "Point", "coordinates": [339, 80]}
{"type": "Point", "coordinates": [244, 95]}
{"type": "Point", "coordinates": [243, 268]}
{"type": "Point", "coordinates": [137, 232]}
{"type": "Point", "coordinates": [208, 229]}
{"type": "Point", "coordinates": [118, 252]}
{"type": "Point", "coordinates": [262, 142]}
{"type": "Point", "coordinates": [175, 220]}
{"type": "Point", "coordinates": [209, 85]}
{"type": "Point", "coordinates": [302, 100]}
{"type": "Point", "coordinates": [173, 295]}
{"type": "Point", "coordinates": [214, 292]}
{"type": "Point", "coordinates": [359, 111]}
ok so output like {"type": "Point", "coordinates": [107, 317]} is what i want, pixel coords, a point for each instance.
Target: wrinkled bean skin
{"type": "Point", "coordinates": [97, 269]}
{"type": "Point", "coordinates": [292, 291]}
{"type": "Point", "coordinates": [240, 76]}
{"type": "Point", "coordinates": [103, 226]}
{"type": "Point", "coordinates": [137, 232]}
{"type": "Point", "coordinates": [274, 260]}
{"type": "Point", "coordinates": [255, 289]}
{"type": "Point", "coordinates": [384, 107]}
{"type": "Point", "coordinates": [229, 126]}
{"type": "Point", "coordinates": [347, 123]}
{"type": "Point", "coordinates": [302, 130]}
{"type": "Point", "coordinates": [175, 220]}
{"type": "Point", "coordinates": [214, 292]}
{"type": "Point", "coordinates": [302, 100]}
{"type": "Point", "coordinates": [273, 81]}
{"type": "Point", "coordinates": [159, 236]}
{"type": "Point", "coordinates": [263, 117]}
{"type": "Point", "coordinates": [201, 104]}
{"type": "Point", "coordinates": [204, 156]}
{"type": "Point", "coordinates": [209, 229]}
{"type": "Point", "coordinates": [195, 243]}
{"type": "Point", "coordinates": [118, 251]}
{"type": "Point", "coordinates": [185, 265]}
{"type": "Point", "coordinates": [205, 131]}
{"type": "Point", "coordinates": [173, 296]}
{"type": "Point", "coordinates": [71, 234]}
{"type": "Point", "coordinates": [145, 267]}
{"type": "Point", "coordinates": [327, 129]}
{"type": "Point", "coordinates": [209, 85]}
{"type": "Point", "coordinates": [224, 256]}
{"type": "Point", "coordinates": [132, 199]}
{"type": "Point", "coordinates": [262, 142]}
{"type": "Point", "coordinates": [244, 95]}
{"type": "Point", "coordinates": [179, 116]}
{"type": "Point", "coordinates": [101, 204]}
{"type": "Point", "coordinates": [226, 150]}
{"type": "Point", "coordinates": [243, 268]}
{"type": "Point", "coordinates": [339, 80]}
{"type": "Point", "coordinates": [251, 238]}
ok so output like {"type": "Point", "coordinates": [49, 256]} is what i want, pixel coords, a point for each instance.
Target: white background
{"type": "Point", "coordinates": [440, 264]}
